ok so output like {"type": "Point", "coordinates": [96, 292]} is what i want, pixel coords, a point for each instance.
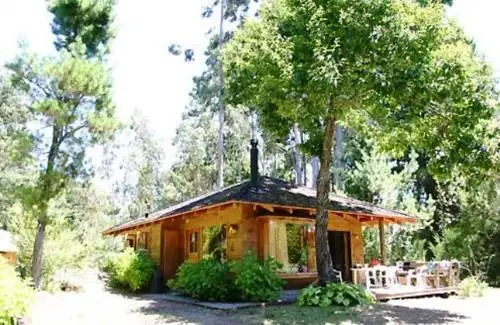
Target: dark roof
{"type": "Point", "coordinates": [270, 191]}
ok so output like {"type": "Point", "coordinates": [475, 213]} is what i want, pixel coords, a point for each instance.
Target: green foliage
{"type": "Point", "coordinates": [293, 233]}
{"type": "Point", "coordinates": [473, 239]}
{"type": "Point", "coordinates": [78, 216]}
{"type": "Point", "coordinates": [194, 173]}
{"type": "Point", "coordinates": [257, 281]}
{"type": "Point", "coordinates": [88, 21]}
{"type": "Point", "coordinates": [375, 177]}
{"type": "Point", "coordinates": [397, 70]}
{"type": "Point", "coordinates": [246, 279]}
{"type": "Point", "coordinates": [334, 294]}
{"type": "Point", "coordinates": [303, 256]}
{"type": "Point", "coordinates": [208, 279]}
{"type": "Point", "coordinates": [472, 286]}
{"type": "Point", "coordinates": [15, 294]}
{"type": "Point", "coordinates": [129, 270]}
{"type": "Point", "coordinates": [296, 65]}
{"type": "Point", "coordinates": [69, 97]}
{"type": "Point", "coordinates": [140, 186]}
{"type": "Point", "coordinates": [214, 242]}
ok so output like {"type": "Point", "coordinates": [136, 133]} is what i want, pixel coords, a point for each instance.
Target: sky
{"type": "Point", "coordinates": [148, 79]}
{"type": "Point", "coordinates": [145, 76]}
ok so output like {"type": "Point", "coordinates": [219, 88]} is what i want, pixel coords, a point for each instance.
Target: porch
{"type": "Point", "coordinates": [406, 280]}
{"type": "Point", "coordinates": [402, 280]}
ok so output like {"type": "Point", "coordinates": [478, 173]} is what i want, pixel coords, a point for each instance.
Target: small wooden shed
{"type": "Point", "coordinates": [8, 248]}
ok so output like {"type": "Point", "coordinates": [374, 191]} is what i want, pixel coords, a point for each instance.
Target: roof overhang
{"type": "Point", "coordinates": [364, 218]}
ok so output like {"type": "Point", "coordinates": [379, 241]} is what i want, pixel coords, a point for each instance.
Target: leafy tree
{"type": "Point", "coordinates": [392, 66]}
{"type": "Point", "coordinates": [16, 165]}
{"type": "Point", "coordinates": [194, 171]}
{"type": "Point", "coordinates": [428, 2]}
{"type": "Point", "coordinates": [86, 20]}
{"type": "Point", "coordinates": [138, 167]}
{"type": "Point", "coordinates": [210, 85]}
{"type": "Point", "coordinates": [475, 235]}
{"type": "Point", "coordinates": [69, 98]}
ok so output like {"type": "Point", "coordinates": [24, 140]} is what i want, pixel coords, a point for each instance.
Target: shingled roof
{"type": "Point", "coordinates": [270, 191]}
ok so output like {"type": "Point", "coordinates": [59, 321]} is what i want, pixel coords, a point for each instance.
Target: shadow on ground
{"type": "Point", "coordinates": [385, 313]}
{"type": "Point", "coordinates": [167, 312]}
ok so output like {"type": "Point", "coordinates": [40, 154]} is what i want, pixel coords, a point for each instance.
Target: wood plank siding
{"type": "Point", "coordinates": [250, 231]}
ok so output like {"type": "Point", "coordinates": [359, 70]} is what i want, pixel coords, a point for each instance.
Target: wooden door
{"type": "Point", "coordinates": [340, 250]}
{"type": "Point", "coordinates": [170, 253]}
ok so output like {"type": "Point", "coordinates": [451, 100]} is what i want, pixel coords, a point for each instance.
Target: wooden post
{"type": "Point", "coordinates": [381, 229]}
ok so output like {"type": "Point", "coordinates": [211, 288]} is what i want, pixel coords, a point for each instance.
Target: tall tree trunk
{"type": "Point", "coordinates": [220, 143]}
{"type": "Point", "coordinates": [304, 170]}
{"type": "Point", "coordinates": [314, 171]}
{"type": "Point", "coordinates": [47, 192]}
{"type": "Point", "coordinates": [36, 263]}
{"type": "Point", "coordinates": [323, 258]}
{"type": "Point", "coordinates": [304, 163]}
{"type": "Point", "coordinates": [297, 159]}
{"type": "Point", "coordinates": [339, 156]}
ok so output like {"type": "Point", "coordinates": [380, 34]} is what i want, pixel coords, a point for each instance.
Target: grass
{"type": "Point", "coordinates": [294, 315]}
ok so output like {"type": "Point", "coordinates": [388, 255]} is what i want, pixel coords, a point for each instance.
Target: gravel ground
{"type": "Point", "coordinates": [97, 306]}
{"type": "Point", "coordinates": [453, 310]}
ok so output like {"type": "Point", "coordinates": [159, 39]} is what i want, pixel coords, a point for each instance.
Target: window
{"type": "Point", "coordinates": [214, 242]}
{"type": "Point", "coordinates": [142, 242]}
{"type": "Point", "coordinates": [291, 245]}
{"type": "Point", "coordinates": [193, 242]}
{"type": "Point", "coordinates": [131, 241]}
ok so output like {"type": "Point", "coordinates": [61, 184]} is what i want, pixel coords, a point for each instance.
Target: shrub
{"type": "Point", "coordinates": [129, 270]}
{"type": "Point", "coordinates": [472, 287]}
{"type": "Point", "coordinates": [247, 279]}
{"type": "Point", "coordinates": [334, 294]}
{"type": "Point", "coordinates": [206, 280]}
{"type": "Point", "coordinates": [15, 294]}
{"type": "Point", "coordinates": [256, 281]}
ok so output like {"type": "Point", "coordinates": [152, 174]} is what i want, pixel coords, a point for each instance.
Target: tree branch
{"type": "Point", "coordinates": [73, 131]}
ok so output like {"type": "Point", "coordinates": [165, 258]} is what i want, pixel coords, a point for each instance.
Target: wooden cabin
{"type": "Point", "coordinates": [267, 216]}
{"type": "Point", "coordinates": [8, 247]}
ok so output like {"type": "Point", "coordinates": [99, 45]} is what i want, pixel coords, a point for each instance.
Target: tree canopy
{"type": "Point", "coordinates": [86, 20]}
{"type": "Point", "coordinates": [394, 67]}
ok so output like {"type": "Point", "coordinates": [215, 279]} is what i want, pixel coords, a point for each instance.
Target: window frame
{"type": "Point", "coordinates": [193, 244]}
{"type": "Point", "coordinates": [142, 240]}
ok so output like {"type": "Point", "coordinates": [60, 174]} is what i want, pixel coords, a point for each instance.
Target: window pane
{"type": "Point", "coordinates": [193, 242]}
{"type": "Point", "coordinates": [215, 242]}
{"type": "Point", "coordinates": [294, 242]}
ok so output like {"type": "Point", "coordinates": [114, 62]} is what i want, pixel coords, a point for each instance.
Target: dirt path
{"type": "Point", "coordinates": [453, 310]}
{"type": "Point", "coordinates": [97, 306]}
{"type": "Point", "coordinates": [101, 307]}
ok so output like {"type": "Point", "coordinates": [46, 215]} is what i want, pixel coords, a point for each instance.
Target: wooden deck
{"type": "Point", "coordinates": [397, 291]}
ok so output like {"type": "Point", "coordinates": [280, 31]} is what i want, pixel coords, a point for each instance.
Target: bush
{"type": "Point", "coordinates": [206, 280]}
{"type": "Point", "coordinates": [472, 287]}
{"type": "Point", "coordinates": [334, 294]}
{"type": "Point", "coordinates": [212, 280]}
{"type": "Point", "coordinates": [15, 294]}
{"type": "Point", "coordinates": [129, 270]}
{"type": "Point", "coordinates": [257, 281]}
